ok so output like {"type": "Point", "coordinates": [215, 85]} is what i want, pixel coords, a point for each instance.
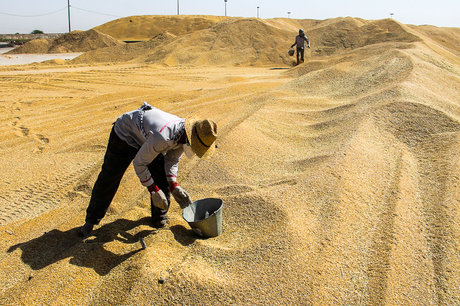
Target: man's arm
{"type": "Point", "coordinates": [295, 42]}
{"type": "Point", "coordinates": [172, 159]}
{"type": "Point", "coordinates": [154, 145]}
{"type": "Point", "coordinates": [307, 40]}
{"type": "Point", "coordinates": [171, 166]}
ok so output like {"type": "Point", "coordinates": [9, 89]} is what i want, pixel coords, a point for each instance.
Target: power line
{"type": "Point", "coordinates": [60, 10]}
{"type": "Point", "coordinates": [94, 12]}
{"type": "Point", "coordinates": [39, 15]}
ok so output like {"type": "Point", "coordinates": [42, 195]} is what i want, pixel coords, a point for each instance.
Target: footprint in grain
{"type": "Point", "coordinates": [42, 138]}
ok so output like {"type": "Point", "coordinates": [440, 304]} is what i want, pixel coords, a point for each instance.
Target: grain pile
{"type": "Point", "coordinates": [145, 27]}
{"type": "Point", "coordinates": [232, 41]}
{"type": "Point", "coordinates": [339, 177]}
{"type": "Point", "coordinates": [125, 53]}
{"type": "Point", "coordinates": [239, 41]}
{"type": "Point", "coordinates": [350, 33]}
{"type": "Point", "coordinates": [76, 41]}
{"type": "Point", "coordinates": [39, 45]}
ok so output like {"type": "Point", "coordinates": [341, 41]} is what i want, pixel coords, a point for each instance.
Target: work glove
{"type": "Point", "coordinates": [180, 195]}
{"type": "Point", "coordinates": [158, 197]}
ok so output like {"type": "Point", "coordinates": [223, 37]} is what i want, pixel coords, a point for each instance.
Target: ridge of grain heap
{"type": "Point", "coordinates": [144, 27]}
{"type": "Point", "coordinates": [75, 41]}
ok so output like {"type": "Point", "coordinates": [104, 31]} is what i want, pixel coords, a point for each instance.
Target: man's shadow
{"type": "Point", "coordinates": [57, 245]}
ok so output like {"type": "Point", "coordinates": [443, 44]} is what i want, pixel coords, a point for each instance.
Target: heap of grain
{"type": "Point", "coordinates": [125, 52]}
{"type": "Point", "coordinates": [351, 33]}
{"type": "Point", "coordinates": [76, 41]}
{"type": "Point", "coordinates": [231, 41]}
{"type": "Point", "coordinates": [237, 41]}
{"type": "Point", "coordinates": [143, 28]}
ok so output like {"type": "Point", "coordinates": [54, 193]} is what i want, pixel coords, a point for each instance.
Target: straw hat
{"type": "Point", "coordinates": [201, 135]}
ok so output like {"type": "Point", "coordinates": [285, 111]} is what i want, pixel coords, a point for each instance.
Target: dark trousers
{"type": "Point", "coordinates": [116, 160]}
{"type": "Point", "coordinates": [301, 54]}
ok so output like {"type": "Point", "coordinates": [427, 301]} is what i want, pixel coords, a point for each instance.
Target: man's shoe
{"type": "Point", "coordinates": [85, 230]}
{"type": "Point", "coordinates": [160, 221]}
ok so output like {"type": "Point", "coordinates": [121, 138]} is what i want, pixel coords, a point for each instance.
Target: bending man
{"type": "Point", "coordinates": [154, 141]}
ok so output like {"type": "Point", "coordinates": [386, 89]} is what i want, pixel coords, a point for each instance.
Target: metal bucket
{"type": "Point", "coordinates": [205, 217]}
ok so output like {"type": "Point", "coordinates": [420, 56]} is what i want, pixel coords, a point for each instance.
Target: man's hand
{"type": "Point", "coordinates": [158, 197]}
{"type": "Point", "coordinates": [180, 195]}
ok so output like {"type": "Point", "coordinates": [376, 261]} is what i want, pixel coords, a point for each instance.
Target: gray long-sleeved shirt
{"type": "Point", "coordinates": [300, 42]}
{"type": "Point", "coordinates": [153, 132]}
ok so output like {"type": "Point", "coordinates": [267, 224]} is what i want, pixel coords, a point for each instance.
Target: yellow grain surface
{"type": "Point", "coordinates": [340, 177]}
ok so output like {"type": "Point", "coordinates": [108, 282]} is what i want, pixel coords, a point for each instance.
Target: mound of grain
{"type": "Point", "coordinates": [76, 41]}
{"type": "Point", "coordinates": [82, 41]}
{"type": "Point", "coordinates": [125, 52]}
{"type": "Point", "coordinates": [233, 41]}
{"type": "Point", "coordinates": [446, 37]}
{"type": "Point", "coordinates": [55, 61]}
{"type": "Point", "coordinates": [230, 42]}
{"type": "Point", "coordinates": [293, 25]}
{"type": "Point", "coordinates": [240, 41]}
{"type": "Point", "coordinates": [354, 75]}
{"type": "Point", "coordinates": [339, 34]}
{"type": "Point", "coordinates": [40, 45]}
{"type": "Point", "coordinates": [146, 27]}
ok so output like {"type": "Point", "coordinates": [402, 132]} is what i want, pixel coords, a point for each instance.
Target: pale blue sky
{"type": "Point", "coordinates": [50, 16]}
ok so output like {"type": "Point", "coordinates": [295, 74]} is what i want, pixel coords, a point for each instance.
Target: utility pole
{"type": "Point", "coordinates": [225, 8]}
{"type": "Point", "coordinates": [177, 7]}
{"type": "Point", "coordinates": [68, 13]}
{"type": "Point", "coordinates": [257, 12]}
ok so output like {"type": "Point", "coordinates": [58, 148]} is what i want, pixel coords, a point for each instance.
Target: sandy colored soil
{"type": "Point", "coordinates": [340, 177]}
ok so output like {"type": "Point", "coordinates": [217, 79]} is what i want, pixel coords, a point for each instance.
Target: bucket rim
{"type": "Point", "coordinates": [195, 202]}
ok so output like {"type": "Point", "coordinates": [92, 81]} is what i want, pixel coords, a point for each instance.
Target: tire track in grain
{"type": "Point", "coordinates": [434, 164]}
{"type": "Point", "coordinates": [380, 252]}
{"type": "Point", "coordinates": [34, 199]}
{"type": "Point", "coordinates": [430, 136]}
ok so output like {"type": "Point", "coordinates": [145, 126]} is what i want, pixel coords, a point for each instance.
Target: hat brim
{"type": "Point", "coordinates": [197, 148]}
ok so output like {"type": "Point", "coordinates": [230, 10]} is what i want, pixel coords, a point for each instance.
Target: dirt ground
{"type": "Point", "coordinates": [340, 180]}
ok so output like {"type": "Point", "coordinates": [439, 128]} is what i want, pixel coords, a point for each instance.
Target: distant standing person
{"type": "Point", "coordinates": [300, 41]}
